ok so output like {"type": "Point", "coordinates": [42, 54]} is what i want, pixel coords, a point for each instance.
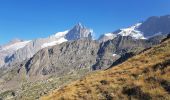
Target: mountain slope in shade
{"type": "Point", "coordinates": [149, 28]}
{"type": "Point", "coordinates": [143, 77]}
{"type": "Point", "coordinates": [155, 25]}
{"type": "Point", "coordinates": [77, 32]}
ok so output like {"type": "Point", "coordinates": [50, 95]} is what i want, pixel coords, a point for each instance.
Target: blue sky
{"type": "Point", "coordinates": [30, 19]}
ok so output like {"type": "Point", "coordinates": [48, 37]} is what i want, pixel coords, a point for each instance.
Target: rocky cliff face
{"type": "Point", "coordinates": [64, 58]}
{"type": "Point", "coordinates": [78, 32]}
{"type": "Point", "coordinates": [84, 54]}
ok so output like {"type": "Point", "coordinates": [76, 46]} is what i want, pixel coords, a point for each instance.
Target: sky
{"type": "Point", "coordinates": [31, 19]}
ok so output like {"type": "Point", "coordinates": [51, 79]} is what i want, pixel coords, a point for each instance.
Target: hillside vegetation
{"type": "Point", "coordinates": [145, 76]}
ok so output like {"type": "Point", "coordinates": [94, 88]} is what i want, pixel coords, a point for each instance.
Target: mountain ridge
{"type": "Point", "coordinates": [144, 76]}
{"type": "Point", "coordinates": [150, 27]}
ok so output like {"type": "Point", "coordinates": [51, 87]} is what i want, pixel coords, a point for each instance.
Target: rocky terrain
{"type": "Point", "coordinates": [142, 77]}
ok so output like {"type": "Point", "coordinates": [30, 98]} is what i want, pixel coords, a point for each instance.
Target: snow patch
{"type": "Point", "coordinates": [114, 55]}
{"type": "Point", "coordinates": [132, 31]}
{"type": "Point", "coordinates": [61, 34]}
{"type": "Point", "coordinates": [59, 41]}
{"type": "Point", "coordinates": [110, 35]}
{"type": "Point", "coordinates": [57, 38]}
{"type": "Point", "coordinates": [91, 31]}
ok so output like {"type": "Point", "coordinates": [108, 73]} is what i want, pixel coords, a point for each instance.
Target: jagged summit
{"type": "Point", "coordinates": [79, 25]}
{"type": "Point", "coordinates": [79, 31]}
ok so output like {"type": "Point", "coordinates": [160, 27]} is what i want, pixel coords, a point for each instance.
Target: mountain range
{"type": "Point", "coordinates": [19, 51]}
{"type": "Point", "coordinates": [30, 69]}
{"type": "Point", "coordinates": [142, 77]}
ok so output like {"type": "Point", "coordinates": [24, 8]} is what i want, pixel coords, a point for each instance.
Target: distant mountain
{"type": "Point", "coordinates": [25, 50]}
{"type": "Point", "coordinates": [149, 28]}
{"type": "Point", "coordinates": [53, 66]}
{"type": "Point", "coordinates": [57, 65]}
{"type": "Point", "coordinates": [155, 25]}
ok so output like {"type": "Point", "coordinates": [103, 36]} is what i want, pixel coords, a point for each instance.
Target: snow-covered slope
{"type": "Point", "coordinates": [61, 40]}
{"type": "Point", "coordinates": [58, 39]}
{"type": "Point", "coordinates": [15, 46]}
{"type": "Point", "coordinates": [8, 49]}
{"type": "Point", "coordinates": [132, 31]}
{"type": "Point", "coordinates": [61, 34]}
{"type": "Point", "coordinates": [153, 26]}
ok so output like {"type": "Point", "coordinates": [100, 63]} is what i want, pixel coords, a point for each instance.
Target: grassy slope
{"type": "Point", "coordinates": [145, 76]}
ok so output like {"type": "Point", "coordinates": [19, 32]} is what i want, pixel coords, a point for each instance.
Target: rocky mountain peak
{"type": "Point", "coordinates": [79, 31]}
{"type": "Point", "coordinates": [79, 26]}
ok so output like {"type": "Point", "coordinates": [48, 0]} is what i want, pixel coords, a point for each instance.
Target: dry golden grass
{"type": "Point", "coordinates": [143, 77]}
